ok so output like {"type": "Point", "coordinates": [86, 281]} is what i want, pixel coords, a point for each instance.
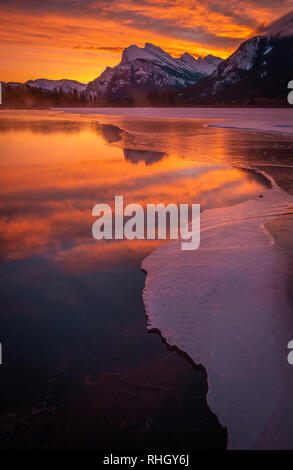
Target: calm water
{"type": "Point", "coordinates": [80, 369]}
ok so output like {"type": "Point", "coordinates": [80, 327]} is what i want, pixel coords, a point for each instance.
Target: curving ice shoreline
{"type": "Point", "coordinates": [225, 305]}
{"type": "Point", "coordinates": [279, 120]}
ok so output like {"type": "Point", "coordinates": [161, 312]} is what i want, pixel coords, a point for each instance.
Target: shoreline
{"type": "Point", "coordinates": [171, 374]}
{"type": "Point", "coordinates": [281, 228]}
{"type": "Point", "coordinates": [263, 119]}
{"type": "Point", "coordinates": [150, 265]}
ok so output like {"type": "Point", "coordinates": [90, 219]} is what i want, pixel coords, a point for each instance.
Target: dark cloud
{"type": "Point", "coordinates": [139, 16]}
{"type": "Point", "coordinates": [99, 48]}
{"type": "Point", "coordinates": [281, 27]}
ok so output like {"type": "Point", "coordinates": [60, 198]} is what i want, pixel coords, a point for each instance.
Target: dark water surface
{"type": "Point", "coordinates": [80, 369]}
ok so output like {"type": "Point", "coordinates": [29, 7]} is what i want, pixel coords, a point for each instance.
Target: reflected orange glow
{"type": "Point", "coordinates": [53, 174]}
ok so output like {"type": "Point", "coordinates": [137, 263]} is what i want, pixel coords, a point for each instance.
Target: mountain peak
{"type": "Point", "coordinates": [155, 49]}
{"type": "Point", "coordinates": [148, 52]}
{"type": "Point", "coordinates": [186, 57]}
{"type": "Point", "coordinates": [144, 70]}
{"type": "Point", "coordinates": [149, 45]}
{"type": "Point", "coordinates": [132, 53]}
{"type": "Point", "coordinates": [257, 72]}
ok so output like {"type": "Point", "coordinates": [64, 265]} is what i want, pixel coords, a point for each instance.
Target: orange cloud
{"type": "Point", "coordinates": [68, 39]}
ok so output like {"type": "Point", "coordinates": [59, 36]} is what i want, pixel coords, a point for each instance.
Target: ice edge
{"type": "Point", "coordinates": [173, 345]}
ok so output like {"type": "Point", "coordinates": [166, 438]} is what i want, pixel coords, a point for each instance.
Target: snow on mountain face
{"type": "Point", "coordinates": [204, 65]}
{"type": "Point", "coordinates": [259, 69]}
{"type": "Point", "coordinates": [142, 70]}
{"type": "Point", "coordinates": [67, 86]}
{"type": "Point", "coordinates": [256, 59]}
{"type": "Point", "coordinates": [241, 60]}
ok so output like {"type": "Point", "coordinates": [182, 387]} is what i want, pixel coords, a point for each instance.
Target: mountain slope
{"type": "Point", "coordinates": [64, 85]}
{"type": "Point", "coordinates": [144, 70]}
{"type": "Point", "coordinates": [25, 96]}
{"type": "Point", "coordinates": [259, 71]}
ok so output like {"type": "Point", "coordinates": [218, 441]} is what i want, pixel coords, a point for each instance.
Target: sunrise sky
{"type": "Point", "coordinates": [77, 39]}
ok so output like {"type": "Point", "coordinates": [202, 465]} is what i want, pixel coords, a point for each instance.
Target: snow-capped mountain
{"type": "Point", "coordinates": [259, 69]}
{"type": "Point", "coordinates": [143, 70]}
{"type": "Point", "coordinates": [43, 93]}
{"type": "Point", "coordinates": [67, 86]}
{"type": "Point", "coordinates": [205, 65]}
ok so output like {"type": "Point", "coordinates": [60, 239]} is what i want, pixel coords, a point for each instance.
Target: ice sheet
{"type": "Point", "coordinates": [259, 119]}
{"type": "Point", "coordinates": [225, 305]}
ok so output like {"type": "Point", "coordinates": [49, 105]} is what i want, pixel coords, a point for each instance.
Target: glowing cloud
{"type": "Point", "coordinates": [69, 39]}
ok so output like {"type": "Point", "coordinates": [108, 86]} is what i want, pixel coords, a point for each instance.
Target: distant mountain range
{"type": "Point", "coordinates": [67, 86]}
{"type": "Point", "coordinates": [258, 72]}
{"type": "Point", "coordinates": [64, 85]}
{"type": "Point", "coordinates": [140, 72]}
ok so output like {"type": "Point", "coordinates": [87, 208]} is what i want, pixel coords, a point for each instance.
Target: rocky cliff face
{"type": "Point", "coordinates": [259, 69]}
{"type": "Point", "coordinates": [148, 69]}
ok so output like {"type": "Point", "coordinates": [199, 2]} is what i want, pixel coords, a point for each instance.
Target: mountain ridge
{"type": "Point", "coordinates": [257, 72]}
{"type": "Point", "coordinates": [148, 69]}
{"type": "Point", "coordinates": [64, 84]}
{"type": "Point", "coordinates": [259, 69]}
{"type": "Point", "coordinates": [190, 68]}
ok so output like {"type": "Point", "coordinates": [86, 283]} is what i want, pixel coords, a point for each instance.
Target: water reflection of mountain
{"type": "Point", "coordinates": [111, 133]}
{"type": "Point", "coordinates": [148, 156]}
